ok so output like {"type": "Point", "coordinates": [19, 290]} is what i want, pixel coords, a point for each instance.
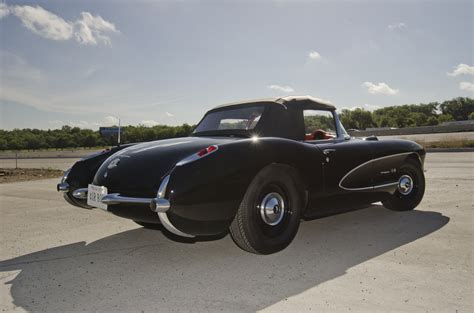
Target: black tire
{"type": "Point", "coordinates": [280, 188]}
{"type": "Point", "coordinates": [405, 202]}
{"type": "Point", "coordinates": [149, 225]}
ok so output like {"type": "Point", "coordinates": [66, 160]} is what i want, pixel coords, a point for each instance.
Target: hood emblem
{"type": "Point", "coordinates": [113, 163]}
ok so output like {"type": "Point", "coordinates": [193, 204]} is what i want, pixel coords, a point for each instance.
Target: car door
{"type": "Point", "coordinates": [341, 155]}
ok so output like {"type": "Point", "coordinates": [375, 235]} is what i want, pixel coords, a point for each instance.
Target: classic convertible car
{"type": "Point", "coordinates": [253, 168]}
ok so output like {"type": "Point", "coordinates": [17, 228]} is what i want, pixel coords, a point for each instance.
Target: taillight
{"type": "Point", "coordinates": [201, 153]}
{"type": "Point", "coordinates": [207, 150]}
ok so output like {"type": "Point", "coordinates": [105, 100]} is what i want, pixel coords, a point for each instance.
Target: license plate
{"type": "Point", "coordinates": [95, 194]}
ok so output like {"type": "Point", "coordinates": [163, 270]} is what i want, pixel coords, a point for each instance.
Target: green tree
{"type": "Point", "coordinates": [459, 108]}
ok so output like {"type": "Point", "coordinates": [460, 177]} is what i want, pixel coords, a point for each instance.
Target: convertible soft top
{"type": "Point", "coordinates": [305, 101]}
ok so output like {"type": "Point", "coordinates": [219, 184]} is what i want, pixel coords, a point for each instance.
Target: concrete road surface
{"type": "Point", "coordinates": [55, 257]}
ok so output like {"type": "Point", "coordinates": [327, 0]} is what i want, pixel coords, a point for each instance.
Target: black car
{"type": "Point", "coordinates": [253, 168]}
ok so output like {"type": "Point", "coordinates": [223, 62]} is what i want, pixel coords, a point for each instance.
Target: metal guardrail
{"type": "Point", "coordinates": [415, 130]}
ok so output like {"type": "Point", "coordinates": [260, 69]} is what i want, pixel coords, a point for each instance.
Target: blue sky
{"type": "Point", "coordinates": [86, 63]}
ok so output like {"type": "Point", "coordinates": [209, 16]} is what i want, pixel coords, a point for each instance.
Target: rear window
{"type": "Point", "coordinates": [243, 118]}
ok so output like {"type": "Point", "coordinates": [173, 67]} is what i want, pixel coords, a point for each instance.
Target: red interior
{"type": "Point", "coordinates": [318, 134]}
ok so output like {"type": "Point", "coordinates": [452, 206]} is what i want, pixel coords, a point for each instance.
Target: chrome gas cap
{"type": "Point", "coordinates": [272, 208]}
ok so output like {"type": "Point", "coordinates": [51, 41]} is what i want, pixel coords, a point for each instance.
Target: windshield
{"type": "Point", "coordinates": [243, 118]}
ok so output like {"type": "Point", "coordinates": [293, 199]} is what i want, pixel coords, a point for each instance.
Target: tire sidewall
{"type": "Point", "coordinates": [399, 202]}
{"type": "Point", "coordinates": [287, 183]}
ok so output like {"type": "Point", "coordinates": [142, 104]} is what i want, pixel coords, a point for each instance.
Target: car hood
{"type": "Point", "coordinates": [138, 170]}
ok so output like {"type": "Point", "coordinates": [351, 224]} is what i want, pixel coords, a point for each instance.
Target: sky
{"type": "Point", "coordinates": [88, 63]}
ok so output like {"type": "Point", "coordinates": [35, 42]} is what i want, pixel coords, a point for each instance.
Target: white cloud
{"type": "Point", "coordinates": [313, 55]}
{"type": "Point", "coordinates": [396, 26]}
{"type": "Point", "coordinates": [462, 69]}
{"type": "Point", "coordinates": [110, 121]}
{"type": "Point", "coordinates": [380, 88]}
{"type": "Point", "coordinates": [149, 123]}
{"type": "Point", "coordinates": [371, 107]}
{"type": "Point", "coordinates": [88, 30]}
{"type": "Point", "coordinates": [42, 22]}
{"type": "Point", "coordinates": [281, 88]}
{"type": "Point", "coordinates": [4, 10]}
{"type": "Point", "coordinates": [467, 86]}
{"type": "Point", "coordinates": [169, 114]}
{"type": "Point", "coordinates": [348, 108]}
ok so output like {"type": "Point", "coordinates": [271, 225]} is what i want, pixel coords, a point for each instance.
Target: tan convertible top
{"type": "Point", "coordinates": [306, 101]}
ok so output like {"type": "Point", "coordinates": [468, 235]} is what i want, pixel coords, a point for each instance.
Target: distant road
{"type": "Point", "coordinates": [41, 154]}
{"type": "Point", "coordinates": [432, 137]}
{"type": "Point", "coordinates": [54, 163]}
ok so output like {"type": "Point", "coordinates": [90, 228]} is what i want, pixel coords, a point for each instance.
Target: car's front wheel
{"type": "Point", "coordinates": [269, 214]}
{"type": "Point", "coordinates": [410, 188]}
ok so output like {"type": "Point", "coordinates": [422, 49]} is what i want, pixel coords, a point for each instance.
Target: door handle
{"type": "Point", "coordinates": [328, 151]}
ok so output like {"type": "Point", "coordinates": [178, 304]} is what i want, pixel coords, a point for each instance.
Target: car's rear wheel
{"type": "Point", "coordinates": [269, 214]}
{"type": "Point", "coordinates": [410, 188]}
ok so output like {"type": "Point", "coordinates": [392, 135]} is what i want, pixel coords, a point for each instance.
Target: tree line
{"type": "Point", "coordinates": [410, 115]}
{"type": "Point", "coordinates": [75, 137]}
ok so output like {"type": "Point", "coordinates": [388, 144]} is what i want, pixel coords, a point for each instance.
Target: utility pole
{"type": "Point", "coordinates": [118, 137]}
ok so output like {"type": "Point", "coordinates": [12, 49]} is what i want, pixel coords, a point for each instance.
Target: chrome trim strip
{"type": "Point", "coordinates": [165, 221]}
{"type": "Point", "coordinates": [170, 227]}
{"type": "Point", "coordinates": [365, 163]}
{"type": "Point", "coordinates": [162, 188]}
{"type": "Point", "coordinates": [80, 193]}
{"type": "Point", "coordinates": [63, 187]}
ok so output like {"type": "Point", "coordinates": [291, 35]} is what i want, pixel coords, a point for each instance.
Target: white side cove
{"type": "Point", "coordinates": [163, 216]}
{"type": "Point", "coordinates": [367, 163]}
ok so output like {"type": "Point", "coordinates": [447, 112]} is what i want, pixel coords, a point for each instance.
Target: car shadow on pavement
{"type": "Point", "coordinates": [143, 270]}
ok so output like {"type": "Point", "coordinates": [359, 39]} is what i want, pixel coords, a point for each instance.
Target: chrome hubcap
{"type": "Point", "coordinates": [272, 208]}
{"type": "Point", "coordinates": [405, 185]}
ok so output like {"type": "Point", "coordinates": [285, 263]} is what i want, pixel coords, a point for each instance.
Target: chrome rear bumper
{"type": "Point", "coordinates": [63, 187]}
{"type": "Point", "coordinates": [160, 205]}
{"type": "Point", "coordinates": [156, 204]}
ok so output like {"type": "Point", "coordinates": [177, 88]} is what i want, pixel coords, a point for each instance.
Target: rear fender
{"type": "Point", "coordinates": [82, 173]}
{"type": "Point", "coordinates": [205, 194]}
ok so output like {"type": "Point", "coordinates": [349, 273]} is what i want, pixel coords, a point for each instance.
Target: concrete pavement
{"type": "Point", "coordinates": [57, 258]}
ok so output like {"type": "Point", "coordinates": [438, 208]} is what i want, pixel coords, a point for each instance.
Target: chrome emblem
{"type": "Point", "coordinates": [113, 163]}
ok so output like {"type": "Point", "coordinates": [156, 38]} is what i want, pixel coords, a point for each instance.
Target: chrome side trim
{"type": "Point", "coordinates": [63, 187]}
{"type": "Point", "coordinates": [80, 193]}
{"type": "Point", "coordinates": [365, 163]}
{"type": "Point", "coordinates": [165, 221]}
